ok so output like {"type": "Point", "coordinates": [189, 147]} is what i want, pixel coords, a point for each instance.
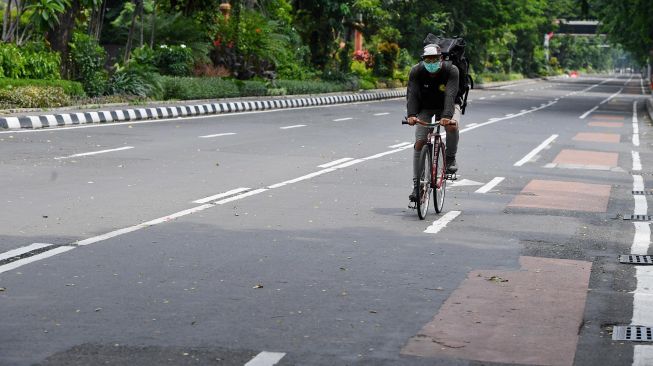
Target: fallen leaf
{"type": "Point", "coordinates": [497, 279]}
{"type": "Point", "coordinates": [98, 309]}
{"type": "Point", "coordinates": [3, 289]}
{"type": "Point", "coordinates": [258, 286]}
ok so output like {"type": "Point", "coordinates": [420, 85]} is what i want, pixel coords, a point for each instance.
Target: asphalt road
{"type": "Point", "coordinates": [299, 264]}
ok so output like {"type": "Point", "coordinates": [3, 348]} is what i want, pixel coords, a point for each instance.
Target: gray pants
{"type": "Point", "coordinates": [421, 132]}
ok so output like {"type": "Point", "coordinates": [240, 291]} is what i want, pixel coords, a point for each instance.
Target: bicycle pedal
{"type": "Point", "coordinates": [452, 176]}
{"type": "Point", "coordinates": [412, 205]}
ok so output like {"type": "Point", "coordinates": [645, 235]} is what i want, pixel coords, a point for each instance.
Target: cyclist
{"type": "Point", "coordinates": [432, 90]}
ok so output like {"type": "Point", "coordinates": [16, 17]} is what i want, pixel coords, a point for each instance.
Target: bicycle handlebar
{"type": "Point", "coordinates": [422, 123]}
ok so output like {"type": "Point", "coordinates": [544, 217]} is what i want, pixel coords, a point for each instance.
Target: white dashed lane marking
{"type": "Point", "coordinates": [335, 162]}
{"type": "Point", "coordinates": [293, 126]}
{"type": "Point", "coordinates": [218, 135]}
{"type": "Point", "coordinates": [94, 153]}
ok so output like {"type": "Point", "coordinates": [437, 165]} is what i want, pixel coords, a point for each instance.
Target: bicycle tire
{"type": "Point", "coordinates": [424, 177]}
{"type": "Point", "coordinates": [439, 177]}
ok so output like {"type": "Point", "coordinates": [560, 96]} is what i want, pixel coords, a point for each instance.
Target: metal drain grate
{"type": "Point", "coordinates": [647, 193]}
{"type": "Point", "coordinates": [635, 333]}
{"type": "Point", "coordinates": [638, 217]}
{"type": "Point", "coordinates": [636, 259]}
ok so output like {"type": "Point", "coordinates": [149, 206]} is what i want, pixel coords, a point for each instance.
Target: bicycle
{"type": "Point", "coordinates": [431, 174]}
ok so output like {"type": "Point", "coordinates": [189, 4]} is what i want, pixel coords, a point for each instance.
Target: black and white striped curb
{"type": "Point", "coordinates": [136, 114]}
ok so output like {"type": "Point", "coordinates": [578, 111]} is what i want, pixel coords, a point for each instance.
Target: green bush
{"type": "Point", "coordinates": [185, 88]}
{"type": "Point", "coordinates": [173, 60]}
{"type": "Point", "coordinates": [315, 87]}
{"type": "Point", "coordinates": [252, 88]}
{"type": "Point", "coordinates": [12, 62]}
{"type": "Point", "coordinates": [34, 97]}
{"type": "Point", "coordinates": [71, 88]}
{"type": "Point", "coordinates": [88, 63]}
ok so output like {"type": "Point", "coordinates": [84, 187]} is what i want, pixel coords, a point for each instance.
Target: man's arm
{"type": "Point", "coordinates": [451, 92]}
{"type": "Point", "coordinates": [412, 92]}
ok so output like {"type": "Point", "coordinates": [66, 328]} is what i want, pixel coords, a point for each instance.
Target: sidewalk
{"type": "Point", "coordinates": [76, 115]}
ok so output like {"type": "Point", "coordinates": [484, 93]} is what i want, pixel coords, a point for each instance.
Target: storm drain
{"type": "Point", "coordinates": [647, 193]}
{"type": "Point", "coordinates": [635, 333]}
{"type": "Point", "coordinates": [638, 217]}
{"type": "Point", "coordinates": [636, 259]}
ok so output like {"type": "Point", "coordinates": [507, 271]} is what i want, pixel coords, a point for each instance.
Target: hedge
{"type": "Point", "coordinates": [31, 96]}
{"type": "Point", "coordinates": [186, 88]}
{"type": "Point", "coordinates": [72, 88]}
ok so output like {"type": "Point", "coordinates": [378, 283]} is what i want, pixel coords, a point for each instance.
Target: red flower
{"type": "Point", "coordinates": [258, 30]}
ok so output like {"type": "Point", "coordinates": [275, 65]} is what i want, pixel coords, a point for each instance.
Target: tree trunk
{"type": "Point", "coordinates": [60, 36]}
{"type": "Point", "coordinates": [132, 29]}
{"type": "Point", "coordinates": [153, 26]}
{"type": "Point", "coordinates": [5, 21]}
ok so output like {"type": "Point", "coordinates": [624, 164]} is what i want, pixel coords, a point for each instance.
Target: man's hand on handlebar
{"type": "Point", "coordinates": [448, 122]}
{"type": "Point", "coordinates": [412, 120]}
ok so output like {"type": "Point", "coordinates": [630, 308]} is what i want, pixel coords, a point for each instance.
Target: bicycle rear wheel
{"type": "Point", "coordinates": [439, 177]}
{"type": "Point", "coordinates": [424, 177]}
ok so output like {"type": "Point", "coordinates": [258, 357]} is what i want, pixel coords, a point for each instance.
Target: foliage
{"type": "Point", "coordinates": [32, 96]}
{"type": "Point", "coordinates": [32, 61]}
{"type": "Point", "coordinates": [187, 88]}
{"type": "Point", "coordinates": [45, 13]}
{"type": "Point", "coordinates": [312, 87]}
{"type": "Point", "coordinates": [88, 64]}
{"type": "Point", "coordinates": [628, 23]}
{"type": "Point", "coordinates": [71, 88]}
{"type": "Point", "coordinates": [173, 60]}
{"type": "Point", "coordinates": [252, 88]}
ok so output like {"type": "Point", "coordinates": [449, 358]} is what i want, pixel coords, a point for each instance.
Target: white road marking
{"type": "Point", "coordinates": [349, 163]}
{"type": "Point", "coordinates": [642, 239]}
{"type": "Point", "coordinates": [381, 114]}
{"type": "Point", "coordinates": [342, 119]}
{"type": "Point", "coordinates": [642, 355]}
{"type": "Point", "coordinates": [641, 84]}
{"type": "Point", "coordinates": [539, 148]}
{"type": "Point", "coordinates": [635, 125]}
{"type": "Point", "coordinates": [34, 258]}
{"type": "Point", "coordinates": [637, 164]}
{"type": "Point", "coordinates": [266, 359]}
{"type": "Point", "coordinates": [465, 183]}
{"type": "Point", "coordinates": [495, 120]}
{"type": "Point", "coordinates": [472, 125]}
{"type": "Point", "coordinates": [303, 177]}
{"type": "Point", "coordinates": [481, 98]}
{"type": "Point", "coordinates": [246, 194]}
{"type": "Point", "coordinates": [588, 112]}
{"type": "Point", "coordinates": [335, 162]}
{"type": "Point", "coordinates": [491, 184]}
{"type": "Point", "coordinates": [293, 126]}
{"type": "Point", "coordinates": [221, 195]}
{"type": "Point", "coordinates": [218, 135]}
{"type": "Point", "coordinates": [94, 152]}
{"type": "Point", "coordinates": [22, 250]}
{"type": "Point", "coordinates": [375, 156]}
{"type": "Point", "coordinates": [612, 96]}
{"type": "Point", "coordinates": [442, 222]}
{"type": "Point", "coordinates": [401, 144]}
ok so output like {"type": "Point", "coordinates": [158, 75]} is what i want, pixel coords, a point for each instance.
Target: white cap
{"type": "Point", "coordinates": [431, 50]}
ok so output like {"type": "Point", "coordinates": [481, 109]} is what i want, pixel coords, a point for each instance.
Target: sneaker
{"type": "Point", "coordinates": [413, 196]}
{"type": "Point", "coordinates": [451, 165]}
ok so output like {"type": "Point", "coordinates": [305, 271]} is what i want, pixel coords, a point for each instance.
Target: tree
{"type": "Point", "coordinates": [628, 22]}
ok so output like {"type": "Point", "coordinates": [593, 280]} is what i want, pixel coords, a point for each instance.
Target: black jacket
{"type": "Point", "coordinates": [432, 91]}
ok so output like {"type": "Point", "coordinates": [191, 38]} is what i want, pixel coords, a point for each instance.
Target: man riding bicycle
{"type": "Point", "coordinates": [432, 90]}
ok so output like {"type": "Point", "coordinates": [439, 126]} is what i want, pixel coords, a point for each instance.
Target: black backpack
{"type": "Point", "coordinates": [453, 49]}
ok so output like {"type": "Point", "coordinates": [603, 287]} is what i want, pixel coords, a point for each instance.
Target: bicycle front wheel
{"type": "Point", "coordinates": [424, 176]}
{"type": "Point", "coordinates": [439, 177]}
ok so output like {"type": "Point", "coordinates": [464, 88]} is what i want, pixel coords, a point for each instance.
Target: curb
{"type": "Point", "coordinates": [138, 114]}
{"type": "Point", "coordinates": [649, 107]}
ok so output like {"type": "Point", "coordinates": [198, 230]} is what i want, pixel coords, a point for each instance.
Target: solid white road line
{"type": "Point", "coordinates": [442, 222]}
{"type": "Point", "coordinates": [303, 177]}
{"type": "Point", "coordinates": [95, 152]}
{"type": "Point", "coordinates": [342, 119]}
{"type": "Point", "coordinates": [218, 135]}
{"type": "Point", "coordinates": [588, 112]}
{"type": "Point", "coordinates": [635, 125]}
{"type": "Point", "coordinates": [221, 195]}
{"type": "Point", "coordinates": [641, 84]}
{"type": "Point", "coordinates": [643, 355]}
{"type": "Point", "coordinates": [641, 206]}
{"type": "Point", "coordinates": [381, 114]}
{"type": "Point", "coordinates": [471, 125]}
{"type": "Point", "coordinates": [246, 194]}
{"type": "Point", "coordinates": [643, 296]}
{"type": "Point", "coordinates": [23, 250]}
{"type": "Point", "coordinates": [491, 184]}
{"type": "Point", "coordinates": [531, 154]}
{"type": "Point", "coordinates": [349, 163]}
{"type": "Point", "coordinates": [401, 144]}
{"type": "Point", "coordinates": [293, 126]}
{"type": "Point", "coordinates": [34, 258]}
{"type": "Point", "coordinates": [642, 239]}
{"type": "Point", "coordinates": [612, 96]}
{"type": "Point", "coordinates": [637, 164]}
{"type": "Point", "coordinates": [266, 359]}
{"type": "Point", "coordinates": [335, 162]}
